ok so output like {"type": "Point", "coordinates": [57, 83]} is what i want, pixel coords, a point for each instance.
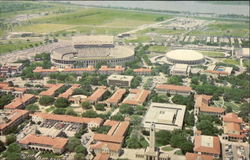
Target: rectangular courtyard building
{"type": "Point", "coordinates": [165, 116]}
{"type": "Point", "coordinates": [44, 143]}
{"type": "Point", "coordinates": [173, 89]}
{"type": "Point", "coordinates": [180, 70]}
{"type": "Point", "coordinates": [119, 80]}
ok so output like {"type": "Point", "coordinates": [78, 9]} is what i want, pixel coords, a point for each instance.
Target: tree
{"type": "Point", "coordinates": [5, 99]}
{"type": "Point", "coordinates": [133, 142]}
{"type": "Point", "coordinates": [186, 146]}
{"type": "Point", "coordinates": [59, 111]}
{"type": "Point", "coordinates": [207, 128]}
{"type": "Point", "coordinates": [2, 147]}
{"type": "Point", "coordinates": [72, 144]}
{"type": "Point", "coordinates": [188, 101]}
{"type": "Point", "coordinates": [229, 109]}
{"type": "Point", "coordinates": [117, 117]}
{"type": "Point", "coordinates": [189, 118]}
{"type": "Point", "coordinates": [79, 156]}
{"type": "Point", "coordinates": [70, 111]}
{"type": "Point", "coordinates": [177, 80]}
{"type": "Point", "coordinates": [86, 105]}
{"type": "Point", "coordinates": [32, 107]}
{"type": "Point", "coordinates": [80, 149]}
{"type": "Point", "coordinates": [244, 112]}
{"type": "Point", "coordinates": [46, 100]}
{"type": "Point", "coordinates": [13, 152]}
{"type": "Point", "coordinates": [100, 107]}
{"type": "Point", "coordinates": [126, 109]}
{"type": "Point", "coordinates": [10, 138]}
{"type": "Point", "coordinates": [163, 137]}
{"type": "Point", "coordinates": [136, 81]}
{"type": "Point", "coordinates": [90, 114]}
{"type": "Point", "coordinates": [62, 102]}
{"type": "Point", "coordinates": [177, 140]}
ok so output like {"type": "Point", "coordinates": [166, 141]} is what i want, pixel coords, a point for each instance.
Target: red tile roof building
{"type": "Point", "coordinates": [112, 141]}
{"type": "Point", "coordinates": [97, 95]}
{"type": "Point", "coordinates": [116, 97]}
{"type": "Point", "coordinates": [52, 88]}
{"type": "Point", "coordinates": [207, 145]}
{"type": "Point", "coordinates": [89, 69]}
{"type": "Point", "coordinates": [20, 102]}
{"type": "Point", "coordinates": [173, 89]}
{"type": "Point", "coordinates": [108, 71]}
{"type": "Point", "coordinates": [92, 122]}
{"type": "Point", "coordinates": [11, 118]}
{"type": "Point", "coordinates": [11, 69]}
{"type": "Point", "coordinates": [143, 71]}
{"type": "Point", "coordinates": [102, 156]}
{"type": "Point", "coordinates": [195, 156]}
{"type": "Point", "coordinates": [69, 91]}
{"type": "Point", "coordinates": [44, 143]}
{"type": "Point", "coordinates": [136, 97]}
{"type": "Point", "coordinates": [5, 87]}
{"type": "Point", "coordinates": [202, 106]}
{"type": "Point", "coordinates": [232, 126]}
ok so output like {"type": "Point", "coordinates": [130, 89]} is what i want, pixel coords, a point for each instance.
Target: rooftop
{"type": "Point", "coordinates": [195, 156]}
{"type": "Point", "coordinates": [55, 69]}
{"type": "Point", "coordinates": [52, 88]}
{"type": "Point", "coordinates": [120, 77]}
{"type": "Point", "coordinates": [69, 91]}
{"type": "Point", "coordinates": [184, 55]}
{"type": "Point", "coordinates": [166, 116]}
{"type": "Point", "coordinates": [116, 68]}
{"type": "Point", "coordinates": [57, 142]}
{"type": "Point", "coordinates": [97, 94]}
{"type": "Point", "coordinates": [136, 97]}
{"type": "Point", "coordinates": [8, 117]}
{"type": "Point", "coordinates": [88, 40]}
{"type": "Point", "coordinates": [18, 101]}
{"type": "Point", "coordinates": [173, 87]}
{"type": "Point", "coordinates": [232, 117]}
{"type": "Point", "coordinates": [207, 144]}
{"type": "Point", "coordinates": [142, 70]}
{"type": "Point", "coordinates": [117, 96]}
{"type": "Point", "coordinates": [67, 118]}
{"type": "Point", "coordinates": [102, 156]}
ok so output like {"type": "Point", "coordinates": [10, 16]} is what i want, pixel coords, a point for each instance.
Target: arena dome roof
{"type": "Point", "coordinates": [185, 57]}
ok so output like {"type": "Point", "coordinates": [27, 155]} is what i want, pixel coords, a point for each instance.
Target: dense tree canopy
{"type": "Point", "coordinates": [62, 102]}
{"type": "Point", "coordinates": [46, 100]}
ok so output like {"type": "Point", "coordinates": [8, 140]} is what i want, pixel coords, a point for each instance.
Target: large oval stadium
{"type": "Point", "coordinates": [180, 56]}
{"type": "Point", "coordinates": [91, 50]}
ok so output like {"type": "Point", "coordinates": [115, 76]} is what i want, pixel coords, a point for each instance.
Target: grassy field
{"type": "Point", "coordinates": [162, 31]}
{"type": "Point", "coordinates": [234, 106]}
{"type": "Point", "coordinates": [231, 61]}
{"type": "Point", "coordinates": [139, 39]}
{"type": "Point", "coordinates": [220, 28]}
{"type": "Point", "coordinates": [20, 45]}
{"type": "Point", "coordinates": [101, 21]}
{"type": "Point", "coordinates": [246, 62]}
{"type": "Point", "coordinates": [212, 53]}
{"type": "Point", "coordinates": [167, 148]}
{"type": "Point", "coordinates": [158, 49]}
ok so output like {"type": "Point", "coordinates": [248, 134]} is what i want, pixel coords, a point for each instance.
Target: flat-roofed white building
{"type": "Point", "coordinates": [119, 80]}
{"type": "Point", "coordinates": [180, 70]}
{"type": "Point", "coordinates": [165, 116]}
{"type": "Point", "coordinates": [243, 53]}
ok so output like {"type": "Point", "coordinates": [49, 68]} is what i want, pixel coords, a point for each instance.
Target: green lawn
{"type": "Point", "coordinates": [158, 49]}
{"type": "Point", "coordinates": [167, 148]}
{"type": "Point", "coordinates": [220, 28]}
{"type": "Point", "coordinates": [139, 39]}
{"type": "Point", "coordinates": [162, 31]}
{"type": "Point", "coordinates": [179, 152]}
{"type": "Point", "coordinates": [246, 62]}
{"type": "Point", "coordinates": [234, 106]}
{"type": "Point", "coordinates": [20, 45]}
{"type": "Point", "coordinates": [212, 53]}
{"type": "Point", "coordinates": [232, 61]}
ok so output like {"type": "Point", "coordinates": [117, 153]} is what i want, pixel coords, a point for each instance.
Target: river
{"type": "Point", "coordinates": [186, 6]}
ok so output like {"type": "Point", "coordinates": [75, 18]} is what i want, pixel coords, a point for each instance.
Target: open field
{"type": "Point", "coordinates": [140, 39]}
{"type": "Point", "coordinates": [220, 28]}
{"type": "Point", "coordinates": [158, 49]}
{"type": "Point", "coordinates": [162, 31]}
{"type": "Point", "coordinates": [231, 61]}
{"type": "Point", "coordinates": [16, 46]}
{"type": "Point", "coordinates": [212, 53]}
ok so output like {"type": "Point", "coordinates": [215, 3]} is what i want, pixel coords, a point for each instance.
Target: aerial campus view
{"type": "Point", "coordinates": [124, 80]}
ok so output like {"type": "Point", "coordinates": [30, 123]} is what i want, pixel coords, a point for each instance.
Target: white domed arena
{"type": "Point", "coordinates": [182, 56]}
